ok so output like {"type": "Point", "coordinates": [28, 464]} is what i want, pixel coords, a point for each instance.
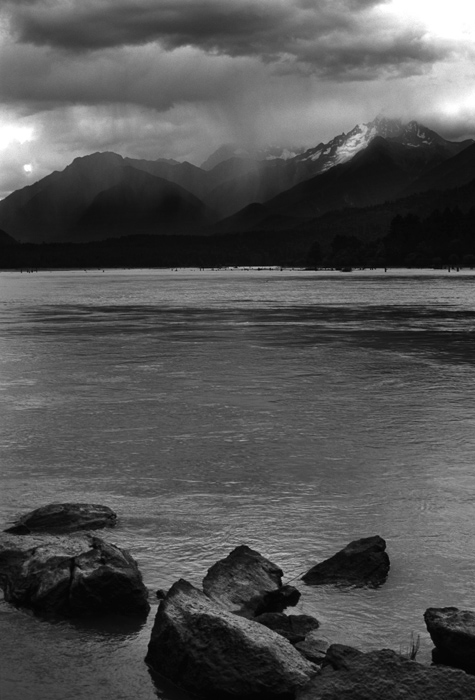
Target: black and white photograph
{"type": "Point", "coordinates": [237, 350]}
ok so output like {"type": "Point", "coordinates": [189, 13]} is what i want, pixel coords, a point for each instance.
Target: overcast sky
{"type": "Point", "coordinates": [177, 78]}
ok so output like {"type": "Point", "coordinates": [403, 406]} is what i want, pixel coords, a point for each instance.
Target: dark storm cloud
{"type": "Point", "coordinates": [336, 39]}
{"type": "Point", "coordinates": [177, 78]}
{"type": "Point", "coordinates": [234, 27]}
{"type": "Point", "coordinates": [141, 75]}
{"type": "Point", "coordinates": [375, 55]}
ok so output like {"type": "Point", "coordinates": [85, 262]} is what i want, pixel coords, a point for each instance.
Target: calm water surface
{"type": "Point", "coordinates": [289, 411]}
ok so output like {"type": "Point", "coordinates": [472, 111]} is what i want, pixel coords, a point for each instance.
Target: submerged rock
{"type": "Point", "coordinates": [213, 653]}
{"type": "Point", "coordinates": [453, 633]}
{"type": "Point", "coordinates": [64, 517]}
{"type": "Point", "coordinates": [248, 584]}
{"type": "Point", "coordinates": [348, 674]}
{"type": "Point", "coordinates": [361, 563]}
{"type": "Point", "coordinates": [70, 575]}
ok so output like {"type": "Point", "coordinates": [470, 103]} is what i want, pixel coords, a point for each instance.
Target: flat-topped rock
{"type": "Point", "coordinates": [59, 518]}
{"type": "Point", "coordinates": [76, 575]}
{"type": "Point", "coordinates": [313, 647]}
{"type": "Point", "coordinates": [363, 562]}
{"type": "Point", "coordinates": [453, 633]}
{"type": "Point", "coordinates": [214, 654]}
{"type": "Point", "coordinates": [348, 674]}
{"type": "Point", "coordinates": [293, 627]}
{"type": "Point", "coordinates": [248, 584]}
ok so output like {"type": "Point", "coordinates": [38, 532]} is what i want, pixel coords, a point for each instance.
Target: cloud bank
{"type": "Point", "coordinates": [176, 78]}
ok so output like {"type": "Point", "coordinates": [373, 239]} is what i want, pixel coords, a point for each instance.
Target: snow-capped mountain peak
{"type": "Point", "coordinates": [343, 147]}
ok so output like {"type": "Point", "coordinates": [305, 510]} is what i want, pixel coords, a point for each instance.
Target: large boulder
{"type": "Point", "coordinates": [453, 633]}
{"type": "Point", "coordinates": [248, 584]}
{"type": "Point", "coordinates": [73, 575]}
{"type": "Point", "coordinates": [363, 562]}
{"type": "Point", "coordinates": [348, 674]}
{"type": "Point", "coordinates": [213, 653]}
{"type": "Point", "coordinates": [64, 517]}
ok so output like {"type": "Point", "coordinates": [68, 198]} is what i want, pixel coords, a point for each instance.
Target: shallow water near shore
{"type": "Point", "coordinates": [290, 411]}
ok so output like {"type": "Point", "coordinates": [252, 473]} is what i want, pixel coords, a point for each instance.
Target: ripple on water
{"type": "Point", "coordinates": [214, 410]}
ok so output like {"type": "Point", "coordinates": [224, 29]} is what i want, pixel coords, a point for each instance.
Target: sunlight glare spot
{"type": "Point", "coordinates": [15, 134]}
{"type": "Point", "coordinates": [454, 20]}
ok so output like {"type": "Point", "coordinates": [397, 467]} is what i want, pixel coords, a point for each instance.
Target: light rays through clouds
{"type": "Point", "coordinates": [177, 78]}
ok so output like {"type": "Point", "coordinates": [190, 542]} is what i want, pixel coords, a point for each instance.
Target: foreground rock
{"type": "Point", "coordinates": [64, 517]}
{"type": "Point", "coordinates": [218, 655]}
{"type": "Point", "coordinates": [70, 575]}
{"type": "Point", "coordinates": [248, 584]}
{"type": "Point", "coordinates": [348, 674]}
{"type": "Point", "coordinates": [453, 633]}
{"type": "Point", "coordinates": [363, 562]}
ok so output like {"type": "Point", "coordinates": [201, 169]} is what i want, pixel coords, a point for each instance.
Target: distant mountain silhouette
{"type": "Point", "coordinates": [229, 150]}
{"type": "Point", "coordinates": [104, 195]}
{"type": "Point", "coordinates": [455, 172]}
{"type": "Point", "coordinates": [5, 239]}
{"type": "Point", "coordinates": [140, 204]}
{"type": "Point", "coordinates": [414, 148]}
{"type": "Point", "coordinates": [99, 196]}
{"type": "Point", "coordinates": [377, 173]}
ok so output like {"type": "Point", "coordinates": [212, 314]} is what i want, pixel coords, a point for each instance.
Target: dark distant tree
{"type": "Point", "coordinates": [454, 260]}
{"type": "Point", "coordinates": [469, 260]}
{"type": "Point", "coordinates": [315, 255]}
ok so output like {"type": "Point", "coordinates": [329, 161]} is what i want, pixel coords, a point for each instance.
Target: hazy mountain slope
{"type": "Point", "coordinates": [5, 239]}
{"type": "Point", "coordinates": [414, 148]}
{"type": "Point", "coordinates": [229, 150]}
{"type": "Point", "coordinates": [52, 208]}
{"type": "Point", "coordinates": [43, 211]}
{"type": "Point", "coordinates": [373, 222]}
{"type": "Point", "coordinates": [373, 162]}
{"type": "Point", "coordinates": [372, 176]}
{"type": "Point", "coordinates": [367, 223]}
{"type": "Point", "coordinates": [261, 182]}
{"type": "Point", "coordinates": [225, 187]}
{"type": "Point", "coordinates": [455, 172]}
{"type": "Point", "coordinates": [383, 170]}
{"type": "Point", "coordinates": [184, 174]}
{"type": "Point", "coordinates": [140, 204]}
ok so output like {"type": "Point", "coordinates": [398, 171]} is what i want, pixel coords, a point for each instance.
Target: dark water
{"type": "Point", "coordinates": [292, 412]}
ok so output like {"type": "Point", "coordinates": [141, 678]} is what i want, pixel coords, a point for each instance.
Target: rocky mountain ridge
{"type": "Point", "coordinates": [104, 195]}
{"type": "Point", "coordinates": [344, 147]}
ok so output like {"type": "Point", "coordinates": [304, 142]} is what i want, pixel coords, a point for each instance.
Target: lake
{"type": "Point", "coordinates": [290, 411]}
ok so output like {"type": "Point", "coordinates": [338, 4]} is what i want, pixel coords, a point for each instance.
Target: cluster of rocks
{"type": "Point", "coordinates": [49, 565]}
{"type": "Point", "coordinates": [231, 638]}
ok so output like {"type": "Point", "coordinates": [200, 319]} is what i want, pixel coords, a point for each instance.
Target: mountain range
{"type": "Point", "coordinates": [358, 180]}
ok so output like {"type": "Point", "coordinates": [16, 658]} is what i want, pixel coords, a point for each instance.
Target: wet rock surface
{"type": "Point", "coordinates": [313, 648]}
{"type": "Point", "coordinates": [453, 633]}
{"type": "Point", "coordinates": [248, 584]}
{"type": "Point", "coordinates": [215, 654]}
{"type": "Point", "coordinates": [363, 562]}
{"type": "Point", "coordinates": [348, 674]}
{"type": "Point", "coordinates": [293, 627]}
{"type": "Point", "coordinates": [59, 518]}
{"type": "Point", "coordinates": [77, 575]}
